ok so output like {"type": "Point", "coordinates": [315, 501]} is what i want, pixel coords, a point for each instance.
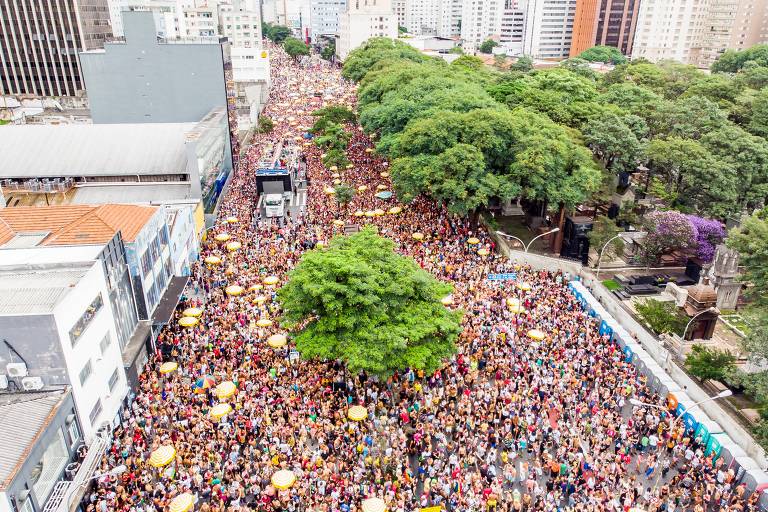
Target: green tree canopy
{"type": "Point", "coordinates": [732, 61]}
{"type": "Point", "coordinates": [295, 47]}
{"type": "Point", "coordinates": [362, 59]}
{"type": "Point", "coordinates": [750, 239]}
{"type": "Point", "coordinates": [607, 54]}
{"type": "Point", "coordinates": [361, 302]}
{"type": "Point", "coordinates": [275, 33]}
{"type": "Point", "coordinates": [709, 363]}
{"type": "Point", "coordinates": [488, 45]}
{"type": "Point", "coordinates": [613, 142]}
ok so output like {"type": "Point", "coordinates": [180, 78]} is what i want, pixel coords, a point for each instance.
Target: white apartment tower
{"type": "Point", "coordinates": [512, 28]}
{"type": "Point", "coordinates": [669, 29]}
{"type": "Point", "coordinates": [440, 18]}
{"type": "Point", "coordinates": [240, 22]}
{"type": "Point", "coordinates": [480, 20]}
{"type": "Point", "coordinates": [324, 16]}
{"type": "Point", "coordinates": [363, 20]}
{"type": "Point", "coordinates": [730, 25]}
{"type": "Point", "coordinates": [400, 11]}
{"type": "Point", "coordinates": [548, 28]}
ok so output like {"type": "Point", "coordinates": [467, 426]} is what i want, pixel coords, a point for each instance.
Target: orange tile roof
{"type": "Point", "coordinates": [75, 224]}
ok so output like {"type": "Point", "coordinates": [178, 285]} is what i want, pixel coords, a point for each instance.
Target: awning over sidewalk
{"type": "Point", "coordinates": [169, 300]}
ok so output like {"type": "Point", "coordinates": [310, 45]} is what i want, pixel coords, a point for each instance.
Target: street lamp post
{"type": "Point", "coordinates": [600, 256]}
{"type": "Point", "coordinates": [685, 331]}
{"type": "Point", "coordinates": [528, 245]}
{"type": "Point", "coordinates": [635, 401]}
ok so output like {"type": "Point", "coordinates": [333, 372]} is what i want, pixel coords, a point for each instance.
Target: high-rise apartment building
{"type": "Point", "coordinates": [240, 23]}
{"type": "Point", "coordinates": [548, 28]}
{"type": "Point", "coordinates": [440, 18]}
{"type": "Point", "coordinates": [731, 24]}
{"type": "Point", "coordinates": [512, 28]}
{"type": "Point", "coordinates": [669, 29]}
{"type": "Point", "coordinates": [400, 11]}
{"type": "Point", "coordinates": [40, 41]}
{"type": "Point", "coordinates": [363, 20]}
{"type": "Point", "coordinates": [480, 20]}
{"type": "Point", "coordinates": [324, 16]}
{"type": "Point", "coordinates": [605, 23]}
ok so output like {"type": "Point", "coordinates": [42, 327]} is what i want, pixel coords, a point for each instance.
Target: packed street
{"type": "Point", "coordinates": [514, 421]}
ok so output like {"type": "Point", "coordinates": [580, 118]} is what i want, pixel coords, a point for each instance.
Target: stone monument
{"type": "Point", "coordinates": [699, 307]}
{"type": "Point", "coordinates": [724, 274]}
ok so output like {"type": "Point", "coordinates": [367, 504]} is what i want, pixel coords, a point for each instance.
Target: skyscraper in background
{"type": "Point", "coordinates": [548, 28]}
{"type": "Point", "coordinates": [731, 25]}
{"type": "Point", "coordinates": [604, 23]}
{"type": "Point", "coordinates": [40, 42]}
{"type": "Point", "coordinates": [669, 29]}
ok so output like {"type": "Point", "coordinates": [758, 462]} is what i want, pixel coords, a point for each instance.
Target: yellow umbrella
{"type": "Point", "coordinates": [370, 213]}
{"type": "Point", "coordinates": [182, 503]}
{"type": "Point", "coordinates": [232, 220]}
{"type": "Point", "coordinates": [337, 181]}
{"type": "Point", "coordinates": [349, 166]}
{"type": "Point", "coordinates": [418, 236]}
{"type": "Point", "coordinates": [222, 237]}
{"type": "Point", "coordinates": [524, 286]}
{"type": "Point", "coordinates": [357, 413]}
{"type": "Point", "coordinates": [536, 334]}
{"type": "Point", "coordinates": [473, 241]}
{"type": "Point", "coordinates": [264, 322]}
{"type": "Point", "coordinates": [283, 479]}
{"type": "Point", "coordinates": [384, 174]}
{"type": "Point", "coordinates": [277, 340]}
{"type": "Point", "coordinates": [218, 411]}
{"type": "Point", "coordinates": [513, 301]}
{"type": "Point", "coordinates": [329, 190]}
{"type": "Point", "coordinates": [233, 246]}
{"type": "Point", "coordinates": [333, 168]}
{"type": "Point", "coordinates": [395, 210]}
{"type": "Point", "coordinates": [517, 309]}
{"type": "Point", "coordinates": [193, 312]}
{"type": "Point", "coordinates": [162, 456]}
{"type": "Point", "coordinates": [271, 280]}
{"type": "Point", "coordinates": [447, 301]}
{"type": "Point", "coordinates": [234, 289]}
{"type": "Point", "coordinates": [259, 299]}
{"type": "Point", "coordinates": [170, 366]}
{"type": "Point", "coordinates": [338, 222]}
{"type": "Point", "coordinates": [359, 213]}
{"type": "Point", "coordinates": [369, 150]}
{"type": "Point", "coordinates": [213, 260]}
{"type": "Point", "coordinates": [378, 212]}
{"type": "Point", "coordinates": [362, 188]}
{"type": "Point", "coordinates": [225, 390]}
{"type": "Point", "coordinates": [381, 186]}
{"type": "Point", "coordinates": [188, 321]}
{"type": "Point", "coordinates": [255, 287]}
{"type": "Point", "coordinates": [374, 505]}
{"type": "Point", "coordinates": [483, 252]}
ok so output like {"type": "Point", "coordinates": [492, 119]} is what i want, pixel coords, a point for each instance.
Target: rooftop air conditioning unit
{"type": "Point", "coordinates": [16, 369]}
{"type": "Point", "coordinates": [3, 382]}
{"type": "Point", "coordinates": [32, 383]}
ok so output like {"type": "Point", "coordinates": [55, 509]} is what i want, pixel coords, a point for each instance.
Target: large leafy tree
{"type": "Point", "coordinates": [361, 302]}
{"type": "Point", "coordinates": [377, 49]}
{"type": "Point", "coordinates": [613, 143]}
{"type": "Point", "coordinates": [295, 47]}
{"type": "Point", "coordinates": [732, 61]}
{"type": "Point", "coordinates": [607, 54]}
{"type": "Point", "coordinates": [750, 239]}
{"type": "Point", "coordinates": [667, 231]}
{"type": "Point", "coordinates": [275, 33]}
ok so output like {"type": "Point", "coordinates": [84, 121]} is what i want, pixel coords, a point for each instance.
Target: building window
{"type": "Point", "coordinates": [49, 469]}
{"type": "Point", "coordinates": [94, 415]}
{"type": "Point", "coordinates": [86, 372]}
{"type": "Point", "coordinates": [106, 341]}
{"type": "Point", "coordinates": [85, 319]}
{"type": "Point", "coordinates": [113, 380]}
{"type": "Point", "coordinates": [74, 433]}
{"type": "Point", "coordinates": [27, 506]}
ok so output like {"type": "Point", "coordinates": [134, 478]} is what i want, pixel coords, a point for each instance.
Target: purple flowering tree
{"type": "Point", "coordinates": [667, 231]}
{"type": "Point", "coordinates": [710, 233]}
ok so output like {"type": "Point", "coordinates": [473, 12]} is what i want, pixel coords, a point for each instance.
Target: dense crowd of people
{"type": "Point", "coordinates": [510, 423]}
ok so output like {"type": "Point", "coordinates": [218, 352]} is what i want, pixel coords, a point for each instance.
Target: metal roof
{"type": "Point", "coordinates": [39, 151]}
{"type": "Point", "coordinates": [23, 418]}
{"type": "Point", "coordinates": [154, 193]}
{"type": "Point", "coordinates": [29, 291]}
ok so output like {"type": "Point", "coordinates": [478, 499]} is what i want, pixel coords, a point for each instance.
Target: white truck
{"type": "Point", "coordinates": [274, 205]}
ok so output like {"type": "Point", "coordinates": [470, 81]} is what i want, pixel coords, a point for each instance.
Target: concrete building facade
{"type": "Point", "coordinates": [40, 42]}
{"type": "Point", "coordinates": [669, 29]}
{"type": "Point", "coordinates": [363, 20]}
{"type": "Point", "coordinates": [548, 28]}
{"type": "Point", "coordinates": [480, 20]}
{"type": "Point", "coordinates": [324, 17]}
{"type": "Point", "coordinates": [730, 25]}
{"type": "Point", "coordinates": [604, 23]}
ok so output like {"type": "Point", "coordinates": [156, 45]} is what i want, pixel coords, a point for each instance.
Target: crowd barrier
{"type": "Point", "coordinates": [696, 421]}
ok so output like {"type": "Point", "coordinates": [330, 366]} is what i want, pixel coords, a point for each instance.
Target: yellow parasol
{"type": "Point", "coordinates": [277, 340]}
{"type": "Point", "coordinates": [370, 213]}
{"type": "Point", "coordinates": [381, 186]}
{"type": "Point", "coordinates": [329, 190]}
{"type": "Point", "coordinates": [222, 237]}
{"type": "Point", "coordinates": [264, 322]}
{"type": "Point", "coordinates": [349, 166]}
{"type": "Point", "coordinates": [369, 150]}
{"type": "Point", "coordinates": [234, 290]}
{"type": "Point", "coordinates": [283, 479]}
{"type": "Point", "coordinates": [536, 334]}
{"type": "Point", "coordinates": [378, 212]}
{"type": "Point", "coordinates": [395, 210]}
{"type": "Point", "coordinates": [233, 246]}
{"type": "Point", "coordinates": [447, 300]}
{"type": "Point", "coordinates": [384, 174]}
{"type": "Point", "coordinates": [524, 286]}
{"type": "Point", "coordinates": [188, 321]}
{"type": "Point", "coordinates": [362, 188]}
{"type": "Point", "coordinates": [337, 181]}
{"type": "Point", "coordinates": [483, 252]}
{"type": "Point", "coordinates": [162, 456]}
{"type": "Point", "coordinates": [213, 260]}
{"type": "Point", "coordinates": [374, 505]}
{"type": "Point", "coordinates": [357, 413]}
{"type": "Point", "coordinates": [232, 220]}
{"type": "Point", "coordinates": [517, 309]}
{"type": "Point", "coordinates": [255, 287]}
{"type": "Point", "coordinates": [333, 168]}
{"type": "Point", "coordinates": [418, 236]}
{"type": "Point", "coordinates": [259, 299]}
{"type": "Point", "coordinates": [513, 301]}
{"type": "Point", "coordinates": [170, 366]}
{"type": "Point", "coordinates": [182, 503]}
{"type": "Point", "coordinates": [271, 280]}
{"type": "Point", "coordinates": [338, 222]}
{"type": "Point", "coordinates": [225, 390]}
{"type": "Point", "coordinates": [218, 411]}
{"type": "Point", "coordinates": [359, 213]}
{"type": "Point", "coordinates": [473, 241]}
{"type": "Point", "coordinates": [196, 312]}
